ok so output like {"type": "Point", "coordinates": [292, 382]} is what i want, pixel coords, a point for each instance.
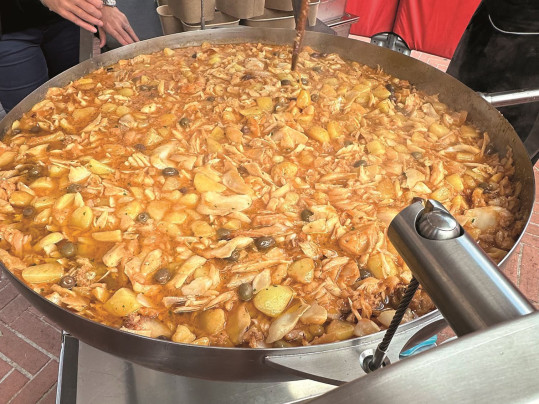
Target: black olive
{"type": "Point", "coordinates": [144, 88]}
{"type": "Point", "coordinates": [28, 211]}
{"type": "Point", "coordinates": [223, 234]}
{"type": "Point", "coordinates": [35, 129]}
{"type": "Point", "coordinates": [245, 291]}
{"type": "Point", "coordinates": [139, 147]}
{"type": "Point", "coordinates": [170, 172]}
{"type": "Point", "coordinates": [364, 274]}
{"type": "Point", "coordinates": [162, 276]}
{"type": "Point", "coordinates": [110, 69]}
{"type": "Point", "coordinates": [245, 130]}
{"type": "Point", "coordinates": [318, 55]}
{"type": "Point", "coordinates": [143, 217]}
{"type": "Point", "coordinates": [348, 143]}
{"type": "Point", "coordinates": [306, 215]}
{"type": "Point", "coordinates": [184, 122]}
{"type": "Point", "coordinates": [390, 88]}
{"type": "Point", "coordinates": [317, 69]}
{"type": "Point", "coordinates": [67, 282]}
{"type": "Point", "coordinates": [210, 98]}
{"type": "Point", "coordinates": [36, 171]}
{"type": "Point", "coordinates": [417, 155]}
{"type": "Point", "coordinates": [281, 344]}
{"type": "Point", "coordinates": [234, 256]}
{"type": "Point", "coordinates": [164, 338]}
{"type": "Point", "coordinates": [486, 187]}
{"type": "Point", "coordinates": [316, 330]}
{"type": "Point", "coordinates": [314, 97]}
{"type": "Point", "coordinates": [194, 55]}
{"type": "Point", "coordinates": [264, 243]}
{"type": "Point", "coordinates": [15, 131]}
{"type": "Point", "coordinates": [247, 76]}
{"type": "Point", "coordinates": [68, 249]}
{"type": "Point", "coordinates": [304, 81]}
{"type": "Point", "coordinates": [73, 188]}
{"type": "Point", "coordinates": [285, 82]}
{"type": "Point", "coordinates": [183, 190]}
{"type": "Point", "coordinates": [359, 163]}
{"type": "Point", "coordinates": [280, 106]}
{"type": "Point", "coordinates": [243, 171]}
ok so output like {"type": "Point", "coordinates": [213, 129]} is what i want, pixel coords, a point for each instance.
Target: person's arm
{"type": "Point", "coordinates": [84, 13]}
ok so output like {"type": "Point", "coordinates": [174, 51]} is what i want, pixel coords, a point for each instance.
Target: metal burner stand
{"type": "Point", "coordinates": [88, 375]}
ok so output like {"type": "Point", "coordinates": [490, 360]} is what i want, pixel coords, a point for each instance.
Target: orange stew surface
{"type": "Point", "coordinates": [208, 195]}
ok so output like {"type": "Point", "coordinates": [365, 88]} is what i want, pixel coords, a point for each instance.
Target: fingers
{"type": "Point", "coordinates": [132, 34]}
{"type": "Point", "coordinates": [96, 3]}
{"type": "Point", "coordinates": [82, 14]}
{"type": "Point", "coordinates": [68, 15]}
{"type": "Point", "coordinates": [102, 37]}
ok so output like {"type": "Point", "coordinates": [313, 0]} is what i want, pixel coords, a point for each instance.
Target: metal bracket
{"type": "Point", "coordinates": [391, 41]}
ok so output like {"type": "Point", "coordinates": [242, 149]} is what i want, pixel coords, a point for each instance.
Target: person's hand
{"type": "Point", "coordinates": [84, 13]}
{"type": "Point", "coordinates": [116, 24]}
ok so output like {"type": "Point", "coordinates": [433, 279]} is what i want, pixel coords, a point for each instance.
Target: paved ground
{"type": "Point", "coordinates": [30, 344]}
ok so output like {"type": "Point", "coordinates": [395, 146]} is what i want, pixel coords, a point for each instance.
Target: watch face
{"type": "Point", "coordinates": [111, 3]}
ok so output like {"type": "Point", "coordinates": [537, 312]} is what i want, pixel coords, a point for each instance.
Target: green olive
{"type": "Point", "coordinates": [139, 147]}
{"type": "Point", "coordinates": [170, 171]}
{"type": "Point", "coordinates": [306, 215]}
{"type": "Point", "coordinates": [265, 243]}
{"type": "Point", "coordinates": [162, 276]}
{"type": "Point", "coordinates": [67, 282]}
{"type": "Point", "coordinates": [28, 211]}
{"type": "Point", "coordinates": [35, 129]}
{"type": "Point", "coordinates": [243, 171]}
{"type": "Point", "coordinates": [185, 122]}
{"type": "Point", "coordinates": [417, 155]}
{"type": "Point", "coordinates": [285, 82]}
{"type": "Point", "coordinates": [304, 81]}
{"type": "Point", "coordinates": [360, 163]}
{"type": "Point", "coordinates": [73, 188]}
{"type": "Point", "coordinates": [314, 97]}
{"type": "Point", "coordinates": [316, 330]}
{"type": "Point", "coordinates": [247, 76]}
{"type": "Point", "coordinates": [68, 249]}
{"type": "Point", "coordinates": [143, 217]}
{"type": "Point", "coordinates": [317, 69]}
{"type": "Point", "coordinates": [210, 98]}
{"type": "Point", "coordinates": [223, 234]}
{"type": "Point", "coordinates": [245, 291]}
{"type": "Point", "coordinates": [234, 256]}
{"type": "Point", "coordinates": [36, 171]}
{"type": "Point", "coordinates": [183, 190]}
{"type": "Point", "coordinates": [281, 344]}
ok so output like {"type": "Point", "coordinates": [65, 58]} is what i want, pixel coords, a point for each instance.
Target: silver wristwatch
{"type": "Point", "coordinates": [109, 3]}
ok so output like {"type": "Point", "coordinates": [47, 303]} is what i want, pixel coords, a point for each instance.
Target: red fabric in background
{"type": "Point", "coordinates": [433, 26]}
{"type": "Point", "coordinates": [375, 16]}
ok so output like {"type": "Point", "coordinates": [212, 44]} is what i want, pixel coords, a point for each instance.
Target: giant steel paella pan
{"type": "Point", "coordinates": [336, 362]}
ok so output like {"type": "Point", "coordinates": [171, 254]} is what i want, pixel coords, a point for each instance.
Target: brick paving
{"type": "Point", "coordinates": [30, 344]}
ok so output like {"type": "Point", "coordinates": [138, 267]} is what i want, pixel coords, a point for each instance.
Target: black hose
{"type": "Point", "coordinates": [380, 352]}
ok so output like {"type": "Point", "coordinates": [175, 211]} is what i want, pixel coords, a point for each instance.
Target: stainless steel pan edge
{"type": "Point", "coordinates": [249, 364]}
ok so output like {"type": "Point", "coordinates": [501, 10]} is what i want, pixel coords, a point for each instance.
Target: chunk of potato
{"type": "Point", "coordinates": [456, 182]}
{"type": "Point", "coordinates": [44, 184]}
{"type": "Point", "coordinates": [50, 272]}
{"type": "Point", "coordinates": [175, 217]}
{"type": "Point", "coordinates": [285, 169]}
{"type": "Point", "coordinates": [335, 129]}
{"type": "Point", "coordinates": [302, 270]}
{"type": "Point", "coordinates": [99, 168]}
{"type": "Point", "coordinates": [51, 238]}
{"type": "Point", "coordinates": [304, 99]}
{"type": "Point", "coordinates": [381, 92]}
{"type": "Point", "coordinates": [183, 335]}
{"type": "Point", "coordinates": [43, 202]}
{"type": "Point", "coordinates": [365, 327]}
{"type": "Point", "coordinates": [201, 228]}
{"type": "Point", "coordinates": [319, 134]}
{"type": "Point", "coordinates": [315, 315]}
{"type": "Point", "coordinates": [132, 209]}
{"type": "Point", "coordinates": [82, 217]}
{"type": "Point", "coordinates": [20, 198]}
{"type": "Point", "coordinates": [189, 200]}
{"type": "Point", "coordinates": [214, 146]}
{"type": "Point", "coordinates": [217, 134]}
{"type": "Point", "coordinates": [265, 103]}
{"type": "Point", "coordinates": [83, 114]}
{"type": "Point", "coordinates": [438, 130]}
{"type": "Point", "coordinates": [441, 194]}
{"type": "Point", "coordinates": [341, 329]}
{"type": "Point", "coordinates": [7, 158]}
{"type": "Point", "coordinates": [381, 266]}
{"type": "Point", "coordinates": [158, 209]}
{"type": "Point", "coordinates": [111, 236]}
{"type": "Point", "coordinates": [376, 147]}
{"type": "Point", "coordinates": [203, 183]}
{"type": "Point", "coordinates": [211, 321]}
{"type": "Point", "coordinates": [123, 302]}
{"type": "Point", "coordinates": [273, 300]}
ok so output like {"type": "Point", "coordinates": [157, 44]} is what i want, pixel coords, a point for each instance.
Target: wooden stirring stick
{"type": "Point", "coordinates": [300, 31]}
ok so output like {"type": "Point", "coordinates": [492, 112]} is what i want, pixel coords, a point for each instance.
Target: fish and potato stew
{"type": "Point", "coordinates": [209, 196]}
